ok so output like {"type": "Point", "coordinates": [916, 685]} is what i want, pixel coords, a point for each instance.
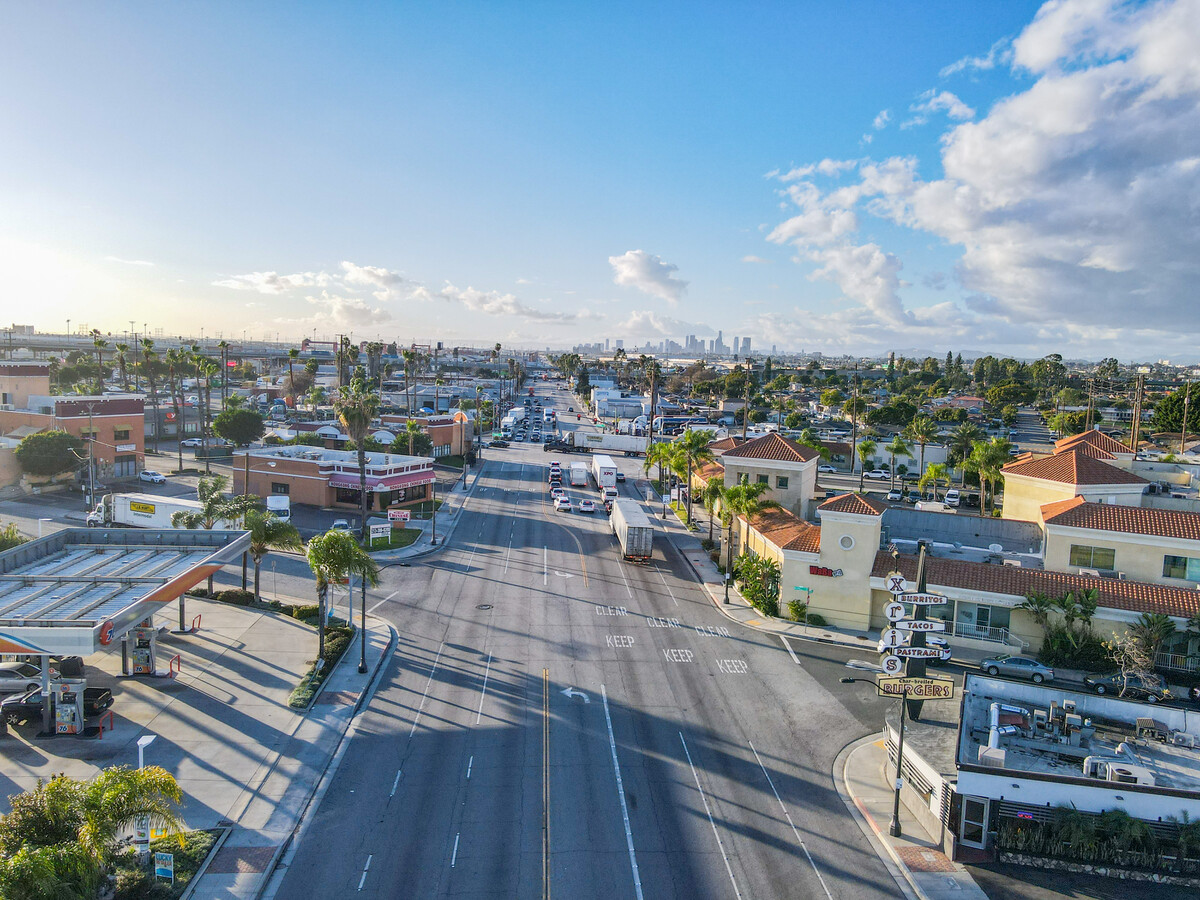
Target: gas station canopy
{"type": "Point", "coordinates": [78, 590]}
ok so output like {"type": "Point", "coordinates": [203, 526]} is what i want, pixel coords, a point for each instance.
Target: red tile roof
{"type": "Point", "coordinates": [772, 446]}
{"type": "Point", "coordinates": [786, 530]}
{"type": "Point", "coordinates": [1072, 467]}
{"type": "Point", "coordinates": [725, 444]}
{"type": "Point", "coordinates": [858, 504]}
{"type": "Point", "coordinates": [1170, 523]}
{"type": "Point", "coordinates": [1113, 593]}
{"type": "Point", "coordinates": [1097, 439]}
{"type": "Point", "coordinates": [708, 470]}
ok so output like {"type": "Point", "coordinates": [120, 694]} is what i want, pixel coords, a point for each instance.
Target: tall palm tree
{"type": "Point", "coordinates": [741, 500]}
{"type": "Point", "coordinates": [962, 443]}
{"type": "Point", "coordinates": [122, 364]}
{"type": "Point", "coordinates": [149, 360]}
{"type": "Point", "coordinates": [174, 361]}
{"type": "Point", "coordinates": [356, 407]}
{"type": "Point", "coordinates": [898, 447]}
{"type": "Point", "coordinates": [437, 395]}
{"type": "Point", "coordinates": [224, 347]}
{"type": "Point", "coordinates": [658, 454]}
{"type": "Point", "coordinates": [987, 460]}
{"type": "Point", "coordinates": [1039, 607]}
{"type": "Point", "coordinates": [933, 474]}
{"type": "Point", "coordinates": [694, 449]}
{"type": "Point", "coordinates": [334, 556]}
{"type": "Point", "coordinates": [922, 430]}
{"type": "Point", "coordinates": [711, 498]}
{"type": "Point", "coordinates": [206, 368]}
{"type": "Point", "coordinates": [292, 354]}
{"type": "Point", "coordinates": [268, 533]}
{"type": "Point", "coordinates": [866, 452]}
{"type": "Point", "coordinates": [99, 343]}
{"type": "Point", "coordinates": [412, 429]}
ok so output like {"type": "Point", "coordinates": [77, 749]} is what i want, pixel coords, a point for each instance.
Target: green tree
{"type": "Point", "coordinates": [214, 507]}
{"type": "Point", "coordinates": [711, 498]}
{"type": "Point", "coordinates": [1039, 607]}
{"type": "Point", "coordinates": [333, 557]}
{"type": "Point", "coordinates": [693, 448]}
{"type": "Point", "coordinates": [932, 475]}
{"type": "Point", "coordinates": [1168, 412]}
{"type": "Point", "coordinates": [866, 452]}
{"type": "Point", "coordinates": [741, 500]}
{"type": "Point", "coordinates": [239, 426]}
{"type": "Point", "coordinates": [268, 533]}
{"type": "Point", "coordinates": [49, 452]}
{"type": "Point", "coordinates": [987, 460]}
{"type": "Point", "coordinates": [831, 397]}
{"type": "Point", "coordinates": [897, 447]}
{"type": "Point", "coordinates": [898, 413]}
{"type": "Point", "coordinates": [412, 431]}
{"type": "Point", "coordinates": [759, 582]}
{"type": "Point", "coordinates": [356, 407]}
{"type": "Point", "coordinates": [11, 537]}
{"type": "Point", "coordinates": [921, 431]}
{"type": "Point", "coordinates": [962, 444]}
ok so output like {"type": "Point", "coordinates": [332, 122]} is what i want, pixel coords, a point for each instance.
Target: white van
{"type": "Point", "coordinates": [952, 498]}
{"type": "Point", "coordinates": [610, 493]}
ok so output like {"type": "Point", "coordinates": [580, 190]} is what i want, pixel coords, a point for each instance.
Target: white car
{"type": "Point", "coordinates": [878, 475]}
{"type": "Point", "coordinates": [895, 494]}
{"type": "Point", "coordinates": [340, 525]}
{"type": "Point", "coordinates": [827, 468]}
{"type": "Point", "coordinates": [562, 504]}
{"type": "Point", "coordinates": [953, 498]}
{"type": "Point", "coordinates": [152, 477]}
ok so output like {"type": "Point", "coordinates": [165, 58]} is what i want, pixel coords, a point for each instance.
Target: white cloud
{"type": "Point", "coordinates": [649, 274]}
{"type": "Point", "coordinates": [754, 259]}
{"type": "Point", "coordinates": [128, 262]}
{"type": "Point", "coordinates": [494, 303]}
{"type": "Point", "coordinates": [334, 311]}
{"type": "Point", "coordinates": [273, 282]}
{"type": "Point", "coordinates": [882, 119]}
{"type": "Point", "coordinates": [647, 323]}
{"type": "Point", "coordinates": [384, 281]}
{"type": "Point", "coordinates": [937, 101]}
{"type": "Point", "coordinates": [999, 53]}
{"type": "Point", "coordinates": [1072, 201]}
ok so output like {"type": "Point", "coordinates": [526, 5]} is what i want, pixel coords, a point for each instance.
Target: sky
{"type": "Point", "coordinates": [851, 177]}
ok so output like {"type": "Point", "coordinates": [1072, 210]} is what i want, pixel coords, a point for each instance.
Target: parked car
{"type": "Point", "coordinates": [827, 469]}
{"type": "Point", "coordinates": [500, 445]}
{"type": "Point", "coordinates": [340, 525]}
{"type": "Point", "coordinates": [913, 497]}
{"type": "Point", "coordinates": [21, 676]}
{"type": "Point", "coordinates": [1150, 688]}
{"type": "Point", "coordinates": [1017, 667]}
{"type": "Point", "coordinates": [562, 504]}
{"type": "Point", "coordinates": [895, 494]}
{"type": "Point", "coordinates": [152, 477]}
{"type": "Point", "coordinates": [952, 497]}
{"type": "Point", "coordinates": [878, 475]}
{"type": "Point", "coordinates": [27, 707]}
{"type": "Point", "coordinates": [587, 506]}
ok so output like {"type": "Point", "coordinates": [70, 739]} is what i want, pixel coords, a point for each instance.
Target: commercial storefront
{"type": "Point", "coordinates": [331, 478]}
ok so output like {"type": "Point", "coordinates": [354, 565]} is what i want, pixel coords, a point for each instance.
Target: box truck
{"type": "Point", "coordinates": [633, 529]}
{"type": "Point", "coordinates": [145, 511]}
{"type": "Point", "coordinates": [280, 506]}
{"type": "Point", "coordinates": [579, 474]}
{"type": "Point", "coordinates": [604, 471]}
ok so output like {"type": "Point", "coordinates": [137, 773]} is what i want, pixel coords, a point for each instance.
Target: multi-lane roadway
{"type": "Point", "coordinates": [558, 722]}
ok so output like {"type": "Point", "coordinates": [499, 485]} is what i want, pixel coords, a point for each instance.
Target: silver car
{"type": "Point", "coordinates": [20, 676]}
{"type": "Point", "coordinates": [1017, 667]}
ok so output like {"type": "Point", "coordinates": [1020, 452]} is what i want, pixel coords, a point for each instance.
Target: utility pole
{"type": "Point", "coordinates": [1137, 416]}
{"type": "Point", "coordinates": [854, 424]}
{"type": "Point", "coordinates": [91, 464]}
{"type": "Point", "coordinates": [1187, 398]}
{"type": "Point", "coordinates": [1087, 425]}
{"type": "Point", "coordinates": [746, 408]}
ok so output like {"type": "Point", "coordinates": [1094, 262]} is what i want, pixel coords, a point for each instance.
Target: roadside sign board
{"type": "Point", "coordinates": [894, 611]}
{"type": "Point", "coordinates": [892, 665]}
{"type": "Point", "coordinates": [380, 531]}
{"type": "Point", "coordinates": [923, 599]}
{"type": "Point", "coordinates": [398, 515]}
{"type": "Point", "coordinates": [164, 866]}
{"type": "Point", "coordinates": [891, 637]}
{"type": "Point", "coordinates": [896, 583]}
{"type": "Point", "coordinates": [921, 625]}
{"type": "Point", "coordinates": [916, 688]}
{"type": "Point", "coordinates": [921, 652]}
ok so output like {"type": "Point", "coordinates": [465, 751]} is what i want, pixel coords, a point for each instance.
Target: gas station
{"type": "Point", "coordinates": [79, 591]}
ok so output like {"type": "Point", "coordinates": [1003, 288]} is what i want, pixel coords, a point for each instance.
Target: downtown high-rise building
{"type": "Point", "coordinates": [745, 346]}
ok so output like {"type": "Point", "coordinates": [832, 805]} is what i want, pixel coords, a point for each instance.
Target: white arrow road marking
{"type": "Point", "coordinates": [563, 574]}
{"type": "Point", "coordinates": [571, 692]}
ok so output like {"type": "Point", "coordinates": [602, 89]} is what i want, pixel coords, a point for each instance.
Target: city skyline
{"type": "Point", "coordinates": [1019, 179]}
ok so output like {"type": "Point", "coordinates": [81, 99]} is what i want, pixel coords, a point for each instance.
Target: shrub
{"type": "Point", "coordinates": [797, 610]}
{"type": "Point", "coordinates": [707, 544]}
{"type": "Point", "coordinates": [816, 619]}
{"type": "Point", "coordinates": [140, 884]}
{"type": "Point", "coordinates": [235, 596]}
{"type": "Point", "coordinates": [309, 611]}
{"type": "Point", "coordinates": [1074, 648]}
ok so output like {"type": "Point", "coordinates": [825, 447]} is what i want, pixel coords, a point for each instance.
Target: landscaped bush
{"type": "Point", "coordinates": [797, 610]}
{"type": "Point", "coordinates": [309, 611]}
{"type": "Point", "coordinates": [816, 619]}
{"type": "Point", "coordinates": [759, 582]}
{"type": "Point", "coordinates": [136, 881]}
{"type": "Point", "coordinates": [1074, 648]}
{"type": "Point", "coordinates": [707, 544]}
{"type": "Point", "coordinates": [235, 596]}
{"type": "Point", "coordinates": [337, 640]}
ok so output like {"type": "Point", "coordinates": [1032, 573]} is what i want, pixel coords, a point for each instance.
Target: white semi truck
{"type": "Point", "coordinates": [603, 442]}
{"type": "Point", "coordinates": [145, 511]}
{"type": "Point", "coordinates": [633, 529]}
{"type": "Point", "coordinates": [604, 471]}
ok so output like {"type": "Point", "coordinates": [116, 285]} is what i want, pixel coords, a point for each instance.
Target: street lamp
{"type": "Point", "coordinates": [362, 659]}
{"type": "Point", "coordinates": [141, 838]}
{"type": "Point", "coordinates": [894, 825]}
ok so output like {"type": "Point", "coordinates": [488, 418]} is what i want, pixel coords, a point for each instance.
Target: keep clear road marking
{"type": "Point", "coordinates": [366, 869]}
{"type": "Point", "coordinates": [612, 745]}
{"type": "Point", "coordinates": [667, 586]}
{"type": "Point", "coordinates": [716, 834]}
{"type": "Point", "coordinates": [788, 648]}
{"type": "Point", "coordinates": [383, 601]}
{"type": "Point", "coordinates": [432, 669]}
{"type": "Point", "coordinates": [790, 822]}
{"type": "Point", "coordinates": [483, 693]}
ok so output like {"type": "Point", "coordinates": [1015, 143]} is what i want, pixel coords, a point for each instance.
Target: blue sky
{"type": "Point", "coordinates": [547, 173]}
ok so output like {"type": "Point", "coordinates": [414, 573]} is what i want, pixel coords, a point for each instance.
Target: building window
{"type": "Point", "coordinates": [120, 434]}
{"type": "Point", "coordinates": [1092, 557]}
{"type": "Point", "coordinates": [762, 479]}
{"type": "Point", "coordinates": [846, 542]}
{"type": "Point", "coordinates": [281, 487]}
{"type": "Point", "coordinates": [1181, 567]}
{"type": "Point", "coordinates": [124, 466]}
{"type": "Point", "coordinates": [781, 482]}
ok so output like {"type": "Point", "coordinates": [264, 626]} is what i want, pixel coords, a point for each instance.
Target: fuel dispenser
{"type": "Point", "coordinates": [68, 705]}
{"type": "Point", "coordinates": [144, 642]}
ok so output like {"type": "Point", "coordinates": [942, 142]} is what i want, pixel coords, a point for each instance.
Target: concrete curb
{"type": "Point", "coordinates": [212, 854]}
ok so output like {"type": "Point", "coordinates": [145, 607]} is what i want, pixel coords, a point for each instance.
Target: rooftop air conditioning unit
{"type": "Point", "coordinates": [1095, 573]}
{"type": "Point", "coordinates": [1013, 562]}
{"type": "Point", "coordinates": [7, 406]}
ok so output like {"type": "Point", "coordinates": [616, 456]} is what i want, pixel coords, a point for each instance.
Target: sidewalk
{"type": "Point", "coordinates": [862, 770]}
{"type": "Point", "coordinates": [454, 501]}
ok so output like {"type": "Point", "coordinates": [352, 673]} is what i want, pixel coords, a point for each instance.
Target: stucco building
{"type": "Point", "coordinates": [330, 478]}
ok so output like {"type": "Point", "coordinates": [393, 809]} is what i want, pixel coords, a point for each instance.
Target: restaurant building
{"type": "Point", "coordinates": [316, 476]}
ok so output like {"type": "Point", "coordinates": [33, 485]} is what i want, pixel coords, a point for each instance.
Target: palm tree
{"type": "Point", "coordinates": [933, 474]}
{"type": "Point", "coordinates": [658, 454]}
{"type": "Point", "coordinates": [962, 443]}
{"type": "Point", "coordinates": [1039, 607]}
{"type": "Point", "coordinates": [711, 498]}
{"type": "Point", "coordinates": [987, 460]}
{"type": "Point", "coordinates": [741, 500]}
{"type": "Point", "coordinates": [1151, 630]}
{"type": "Point", "coordinates": [224, 347]}
{"type": "Point", "coordinates": [412, 429]}
{"type": "Point", "coordinates": [99, 344]}
{"type": "Point", "coordinates": [437, 395]}
{"type": "Point", "coordinates": [333, 557]}
{"type": "Point", "coordinates": [866, 452]}
{"type": "Point", "coordinates": [268, 533]}
{"type": "Point", "coordinates": [898, 447]}
{"type": "Point", "coordinates": [693, 447]}
{"type": "Point", "coordinates": [214, 507]}
{"type": "Point", "coordinates": [292, 354]}
{"type": "Point", "coordinates": [922, 430]}
{"type": "Point", "coordinates": [122, 364]}
{"type": "Point", "coordinates": [173, 363]}
{"type": "Point", "coordinates": [149, 358]}
{"type": "Point", "coordinates": [356, 408]}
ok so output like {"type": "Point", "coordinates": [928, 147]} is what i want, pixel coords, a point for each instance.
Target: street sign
{"type": "Point", "coordinates": [896, 583]}
{"type": "Point", "coordinates": [921, 625]}
{"type": "Point", "coordinates": [892, 665]}
{"type": "Point", "coordinates": [380, 531]}
{"type": "Point", "coordinates": [894, 611]}
{"type": "Point", "coordinates": [916, 688]}
{"type": "Point", "coordinates": [921, 599]}
{"type": "Point", "coordinates": [921, 652]}
{"type": "Point", "coordinates": [891, 638]}
{"type": "Point", "coordinates": [398, 515]}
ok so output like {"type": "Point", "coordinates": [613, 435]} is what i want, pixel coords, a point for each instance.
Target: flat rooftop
{"type": "Point", "coordinates": [1041, 744]}
{"type": "Point", "coordinates": [344, 457]}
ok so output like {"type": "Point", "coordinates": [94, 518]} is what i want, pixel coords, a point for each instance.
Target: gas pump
{"type": "Point", "coordinates": [68, 705]}
{"type": "Point", "coordinates": [145, 645]}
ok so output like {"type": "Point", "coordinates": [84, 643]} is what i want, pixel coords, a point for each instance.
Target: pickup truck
{"type": "Point", "coordinates": [27, 707]}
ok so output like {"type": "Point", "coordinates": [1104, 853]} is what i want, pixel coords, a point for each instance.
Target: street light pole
{"type": "Point", "coordinates": [894, 825]}
{"type": "Point", "coordinates": [362, 659]}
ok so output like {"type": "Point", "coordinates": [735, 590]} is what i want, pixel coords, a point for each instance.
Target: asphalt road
{"type": "Point", "coordinates": [528, 631]}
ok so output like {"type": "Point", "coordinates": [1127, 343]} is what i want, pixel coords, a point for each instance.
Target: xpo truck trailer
{"type": "Point", "coordinates": [633, 529]}
{"type": "Point", "coordinates": [604, 470]}
{"type": "Point", "coordinates": [145, 511]}
{"type": "Point", "coordinates": [579, 474]}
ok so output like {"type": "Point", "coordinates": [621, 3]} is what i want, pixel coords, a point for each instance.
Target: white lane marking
{"type": "Point", "coordinates": [470, 762]}
{"type": "Point", "coordinates": [667, 586]}
{"type": "Point", "coordinates": [788, 648]}
{"type": "Point", "coordinates": [626, 580]}
{"type": "Point", "coordinates": [509, 553]}
{"type": "Point", "coordinates": [612, 745]}
{"type": "Point", "coordinates": [704, 799]}
{"type": "Point", "coordinates": [471, 558]}
{"type": "Point", "coordinates": [454, 856]}
{"type": "Point", "coordinates": [483, 693]}
{"type": "Point", "coordinates": [395, 783]}
{"type": "Point", "coordinates": [545, 563]}
{"type": "Point", "coordinates": [790, 822]}
{"type": "Point", "coordinates": [366, 869]}
{"type": "Point", "coordinates": [383, 601]}
{"type": "Point", "coordinates": [421, 708]}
